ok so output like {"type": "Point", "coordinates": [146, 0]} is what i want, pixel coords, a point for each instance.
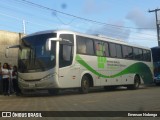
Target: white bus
{"type": "Point", "coordinates": [59, 59]}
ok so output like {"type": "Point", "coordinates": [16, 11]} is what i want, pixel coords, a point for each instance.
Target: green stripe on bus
{"type": "Point", "coordinates": [140, 68]}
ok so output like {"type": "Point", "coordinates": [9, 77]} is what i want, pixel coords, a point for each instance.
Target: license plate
{"type": "Point", "coordinates": [31, 85]}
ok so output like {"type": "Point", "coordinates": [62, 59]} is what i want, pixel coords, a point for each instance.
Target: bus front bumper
{"type": "Point", "coordinates": [47, 83]}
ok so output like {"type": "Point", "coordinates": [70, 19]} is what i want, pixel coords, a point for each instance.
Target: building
{"type": "Point", "coordinates": [8, 39]}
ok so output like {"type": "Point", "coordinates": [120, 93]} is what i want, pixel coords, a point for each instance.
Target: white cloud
{"type": "Point", "coordinates": [140, 19]}
{"type": "Point", "coordinates": [145, 38]}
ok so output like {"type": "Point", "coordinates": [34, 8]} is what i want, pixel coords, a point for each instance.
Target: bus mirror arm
{"type": "Point", "coordinates": [8, 47]}
{"type": "Point", "coordinates": [6, 52]}
{"type": "Point", "coordinates": [48, 42]}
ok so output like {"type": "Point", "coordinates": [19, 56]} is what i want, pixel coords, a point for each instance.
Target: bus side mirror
{"type": "Point", "coordinates": [48, 43]}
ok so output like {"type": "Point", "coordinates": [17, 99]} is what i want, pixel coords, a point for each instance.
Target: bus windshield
{"type": "Point", "coordinates": [33, 55]}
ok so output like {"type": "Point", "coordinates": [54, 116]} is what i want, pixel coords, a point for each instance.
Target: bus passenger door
{"type": "Point", "coordinates": [67, 73]}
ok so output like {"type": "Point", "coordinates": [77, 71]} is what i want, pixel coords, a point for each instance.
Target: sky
{"type": "Point", "coordinates": [127, 20]}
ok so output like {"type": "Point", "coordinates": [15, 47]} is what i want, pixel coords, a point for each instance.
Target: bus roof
{"type": "Point", "coordinates": [99, 37]}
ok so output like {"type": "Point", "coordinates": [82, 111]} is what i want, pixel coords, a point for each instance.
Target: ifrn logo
{"type": "Point", "coordinates": [6, 114]}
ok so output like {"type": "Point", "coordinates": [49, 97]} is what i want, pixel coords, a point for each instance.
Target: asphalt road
{"type": "Point", "coordinates": [121, 99]}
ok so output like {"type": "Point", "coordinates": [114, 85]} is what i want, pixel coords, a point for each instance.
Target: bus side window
{"type": "Point", "coordinates": [130, 52]}
{"type": "Point", "coordinates": [85, 45]}
{"type": "Point", "coordinates": [89, 46]}
{"type": "Point", "coordinates": [119, 51]}
{"type": "Point", "coordinates": [140, 54]}
{"type": "Point", "coordinates": [136, 53]}
{"type": "Point", "coordinates": [145, 55]}
{"type": "Point", "coordinates": [125, 52]}
{"type": "Point", "coordinates": [81, 45]}
{"type": "Point", "coordinates": [148, 56]}
{"type": "Point", "coordinates": [112, 48]}
{"type": "Point", "coordinates": [100, 48]}
{"type": "Point", "coordinates": [106, 46]}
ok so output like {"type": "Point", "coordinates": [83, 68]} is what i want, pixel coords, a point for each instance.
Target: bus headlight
{"type": "Point", "coordinates": [48, 77]}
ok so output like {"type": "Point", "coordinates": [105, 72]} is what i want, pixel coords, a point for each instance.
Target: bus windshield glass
{"type": "Point", "coordinates": [33, 55]}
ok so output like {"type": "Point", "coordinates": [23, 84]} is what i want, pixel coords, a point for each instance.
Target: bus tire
{"type": "Point", "coordinates": [135, 85]}
{"type": "Point", "coordinates": [53, 91]}
{"type": "Point", "coordinates": [84, 85]}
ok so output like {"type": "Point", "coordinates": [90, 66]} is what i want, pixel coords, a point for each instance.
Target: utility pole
{"type": "Point", "coordinates": [157, 24]}
{"type": "Point", "coordinates": [24, 27]}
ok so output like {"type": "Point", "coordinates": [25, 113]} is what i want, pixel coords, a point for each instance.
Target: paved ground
{"type": "Point", "coordinates": [143, 99]}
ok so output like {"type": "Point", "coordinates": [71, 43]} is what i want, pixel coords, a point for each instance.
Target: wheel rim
{"type": "Point", "coordinates": [137, 82]}
{"type": "Point", "coordinates": [85, 84]}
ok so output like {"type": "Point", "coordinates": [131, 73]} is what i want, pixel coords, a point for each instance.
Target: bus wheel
{"type": "Point", "coordinates": [135, 85]}
{"type": "Point", "coordinates": [53, 91]}
{"type": "Point", "coordinates": [84, 85]}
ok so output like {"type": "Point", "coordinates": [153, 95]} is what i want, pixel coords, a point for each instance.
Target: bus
{"type": "Point", "coordinates": [156, 63]}
{"type": "Point", "coordinates": [60, 59]}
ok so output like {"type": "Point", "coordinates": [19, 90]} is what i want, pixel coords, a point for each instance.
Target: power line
{"type": "Point", "coordinates": [93, 21]}
{"type": "Point", "coordinates": [108, 31]}
{"type": "Point", "coordinates": [120, 34]}
{"type": "Point", "coordinates": [43, 16]}
{"type": "Point", "coordinates": [20, 19]}
{"type": "Point", "coordinates": [77, 19]}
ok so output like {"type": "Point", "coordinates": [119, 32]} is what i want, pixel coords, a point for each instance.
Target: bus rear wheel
{"type": "Point", "coordinates": [135, 85]}
{"type": "Point", "coordinates": [84, 85]}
